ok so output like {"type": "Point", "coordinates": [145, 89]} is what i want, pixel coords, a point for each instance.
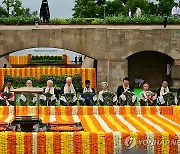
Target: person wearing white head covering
{"type": "Point", "coordinates": [29, 84]}
{"type": "Point", "coordinates": [175, 10]}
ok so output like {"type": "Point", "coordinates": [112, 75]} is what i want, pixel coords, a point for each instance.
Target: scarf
{"type": "Point", "coordinates": [69, 89]}
{"type": "Point", "coordinates": [6, 89]}
{"type": "Point", "coordinates": [87, 90]}
{"type": "Point", "coordinates": [50, 90]}
{"type": "Point", "coordinates": [162, 92]}
{"type": "Point", "coordinates": [126, 88]}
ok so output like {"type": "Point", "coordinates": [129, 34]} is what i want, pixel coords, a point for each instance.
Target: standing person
{"type": "Point", "coordinates": [130, 12]}
{"type": "Point", "coordinates": [76, 59]}
{"type": "Point", "coordinates": [163, 89]}
{"type": "Point", "coordinates": [160, 11]}
{"type": "Point", "coordinates": [138, 11]}
{"type": "Point", "coordinates": [175, 10]}
{"type": "Point", "coordinates": [68, 87]}
{"type": "Point", "coordinates": [124, 87]}
{"type": "Point", "coordinates": [44, 12]}
{"type": "Point", "coordinates": [147, 98]}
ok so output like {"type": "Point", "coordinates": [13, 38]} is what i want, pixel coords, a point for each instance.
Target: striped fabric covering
{"type": "Point", "coordinates": [87, 73]}
{"type": "Point", "coordinates": [105, 118]}
{"type": "Point", "coordinates": [107, 130]}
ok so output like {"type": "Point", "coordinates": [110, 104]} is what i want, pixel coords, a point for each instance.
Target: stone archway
{"type": "Point", "coordinates": [151, 66]}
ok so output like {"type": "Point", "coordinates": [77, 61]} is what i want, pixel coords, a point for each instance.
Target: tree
{"type": "Point", "coordinates": [114, 7]}
{"type": "Point", "coordinates": [167, 5]}
{"type": "Point", "coordinates": [85, 9]}
{"type": "Point", "coordinates": [131, 4]}
{"type": "Point", "coordinates": [14, 7]}
{"type": "Point", "coordinates": [3, 12]}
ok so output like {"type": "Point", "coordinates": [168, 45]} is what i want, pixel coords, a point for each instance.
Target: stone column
{"type": "Point", "coordinates": [118, 69]}
{"type": "Point", "coordinates": [111, 71]}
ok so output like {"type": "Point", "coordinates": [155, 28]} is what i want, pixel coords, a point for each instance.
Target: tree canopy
{"type": "Point", "coordinates": [97, 8]}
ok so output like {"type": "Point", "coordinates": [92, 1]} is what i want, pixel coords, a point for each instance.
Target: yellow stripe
{"type": "Point", "coordinates": [49, 142]}
{"type": "Point", "coordinates": [106, 110]}
{"type": "Point", "coordinates": [85, 143]}
{"type": "Point", "coordinates": [85, 112]}
{"type": "Point", "coordinates": [101, 143]}
{"type": "Point", "coordinates": [128, 110]}
{"type": "Point", "coordinates": [162, 123]}
{"type": "Point", "coordinates": [90, 123]}
{"type": "Point", "coordinates": [138, 123]}
{"type": "Point", "coordinates": [64, 117]}
{"type": "Point", "coordinates": [20, 143]}
{"type": "Point", "coordinates": [66, 145]}
{"type": "Point", "coordinates": [165, 143]}
{"type": "Point", "coordinates": [83, 77]}
{"type": "Point", "coordinates": [113, 122]}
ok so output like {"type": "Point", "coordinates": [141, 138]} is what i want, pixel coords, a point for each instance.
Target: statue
{"type": "Point", "coordinates": [44, 12]}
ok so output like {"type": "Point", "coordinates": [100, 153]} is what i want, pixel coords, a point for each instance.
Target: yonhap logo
{"type": "Point", "coordinates": [130, 142]}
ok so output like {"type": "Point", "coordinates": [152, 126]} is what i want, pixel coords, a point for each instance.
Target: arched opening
{"type": "Point", "coordinates": [150, 66]}
{"type": "Point", "coordinates": [73, 56]}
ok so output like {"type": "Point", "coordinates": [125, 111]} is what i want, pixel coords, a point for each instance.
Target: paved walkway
{"type": "Point", "coordinates": [145, 27]}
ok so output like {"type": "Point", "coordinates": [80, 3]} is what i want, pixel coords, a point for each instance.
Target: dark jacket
{"type": "Point", "coordinates": [178, 94]}
{"type": "Point", "coordinates": [56, 93]}
{"type": "Point", "coordinates": [159, 90]}
{"type": "Point", "coordinates": [62, 89]}
{"type": "Point", "coordinates": [120, 90]}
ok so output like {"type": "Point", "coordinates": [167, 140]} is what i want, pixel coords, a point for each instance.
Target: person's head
{"type": "Point", "coordinates": [9, 83]}
{"type": "Point", "coordinates": [176, 4]}
{"type": "Point", "coordinates": [126, 81]}
{"type": "Point", "coordinates": [49, 83]}
{"type": "Point", "coordinates": [164, 83]}
{"type": "Point", "coordinates": [145, 86]}
{"type": "Point", "coordinates": [29, 83]}
{"type": "Point", "coordinates": [137, 6]}
{"type": "Point", "coordinates": [68, 81]}
{"type": "Point", "coordinates": [87, 83]}
{"type": "Point", "coordinates": [104, 86]}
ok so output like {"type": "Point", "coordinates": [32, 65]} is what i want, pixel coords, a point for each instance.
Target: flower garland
{"type": "Point", "coordinates": [49, 143]}
{"type": "Point", "coordinates": [77, 142]}
{"type": "Point", "coordinates": [57, 142]}
{"type": "Point", "coordinates": [20, 143]}
{"type": "Point", "coordinates": [85, 143]}
{"type": "Point", "coordinates": [28, 143]}
{"type": "Point", "coordinates": [34, 143]}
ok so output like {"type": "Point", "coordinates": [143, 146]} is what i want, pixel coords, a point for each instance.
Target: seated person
{"type": "Point", "coordinates": [8, 87]}
{"type": "Point", "coordinates": [110, 98]}
{"type": "Point", "coordinates": [163, 89]}
{"type": "Point", "coordinates": [87, 87]}
{"type": "Point", "coordinates": [7, 97]}
{"type": "Point", "coordinates": [51, 89]}
{"type": "Point", "coordinates": [147, 98]}
{"type": "Point", "coordinates": [68, 87]}
{"type": "Point", "coordinates": [88, 96]}
{"type": "Point", "coordinates": [124, 87]}
{"type": "Point", "coordinates": [29, 84]}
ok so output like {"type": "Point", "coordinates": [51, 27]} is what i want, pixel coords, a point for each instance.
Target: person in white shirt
{"type": "Point", "coordinates": [130, 12]}
{"type": "Point", "coordinates": [138, 11]}
{"type": "Point", "coordinates": [175, 11]}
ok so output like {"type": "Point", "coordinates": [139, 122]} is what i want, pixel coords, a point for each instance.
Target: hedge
{"type": "Point", "coordinates": [46, 60]}
{"type": "Point", "coordinates": [21, 20]}
{"type": "Point", "coordinates": [57, 80]}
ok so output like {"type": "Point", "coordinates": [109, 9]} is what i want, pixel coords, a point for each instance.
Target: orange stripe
{"type": "Point", "coordinates": [77, 142]}
{"type": "Point", "coordinates": [84, 123]}
{"type": "Point", "coordinates": [93, 142]}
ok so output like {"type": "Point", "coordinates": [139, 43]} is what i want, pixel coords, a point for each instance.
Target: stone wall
{"type": "Point", "coordinates": [109, 45]}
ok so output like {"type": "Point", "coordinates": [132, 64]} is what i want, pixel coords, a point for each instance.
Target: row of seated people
{"type": "Point", "coordinates": [124, 96]}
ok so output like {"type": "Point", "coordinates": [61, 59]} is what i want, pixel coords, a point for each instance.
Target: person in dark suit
{"type": "Point", "coordinates": [51, 89]}
{"type": "Point", "coordinates": [68, 87]}
{"type": "Point", "coordinates": [8, 87]}
{"type": "Point", "coordinates": [87, 87]}
{"type": "Point", "coordinates": [163, 89]}
{"type": "Point", "coordinates": [125, 87]}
